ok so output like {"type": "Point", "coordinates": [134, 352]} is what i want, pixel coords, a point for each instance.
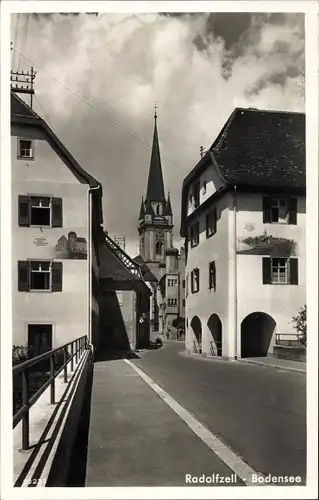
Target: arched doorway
{"type": "Point", "coordinates": [256, 333]}
{"type": "Point", "coordinates": [215, 326]}
{"type": "Point", "coordinates": [196, 326]}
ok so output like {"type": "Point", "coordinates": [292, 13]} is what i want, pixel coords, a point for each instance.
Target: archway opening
{"type": "Point", "coordinates": [196, 326]}
{"type": "Point", "coordinates": [256, 333]}
{"type": "Point", "coordinates": [215, 326]}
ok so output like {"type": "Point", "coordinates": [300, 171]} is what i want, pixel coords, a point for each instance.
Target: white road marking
{"type": "Point", "coordinates": [224, 453]}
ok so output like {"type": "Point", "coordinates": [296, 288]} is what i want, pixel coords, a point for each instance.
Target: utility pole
{"type": "Point", "coordinates": [22, 82]}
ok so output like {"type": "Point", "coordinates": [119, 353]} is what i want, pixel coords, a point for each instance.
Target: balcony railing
{"type": "Point", "coordinates": [289, 340]}
{"type": "Point", "coordinates": [70, 351]}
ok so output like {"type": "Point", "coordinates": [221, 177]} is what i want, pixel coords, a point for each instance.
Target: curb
{"type": "Point", "coordinates": [280, 367]}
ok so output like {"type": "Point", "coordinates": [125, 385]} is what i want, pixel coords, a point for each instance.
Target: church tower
{"type": "Point", "coordinates": [156, 217]}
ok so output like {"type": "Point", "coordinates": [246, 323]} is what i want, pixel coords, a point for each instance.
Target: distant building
{"type": "Point", "coordinates": [159, 259]}
{"type": "Point", "coordinates": [244, 223]}
{"type": "Point", "coordinates": [55, 273]}
{"type": "Point", "coordinates": [125, 300]}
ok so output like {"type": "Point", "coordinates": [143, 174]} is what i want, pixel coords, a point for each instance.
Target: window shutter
{"type": "Point", "coordinates": [24, 212]}
{"type": "Point", "coordinates": [57, 215]}
{"type": "Point", "coordinates": [23, 276]}
{"type": "Point", "coordinates": [214, 271]}
{"type": "Point", "coordinates": [207, 225]}
{"type": "Point", "coordinates": [293, 271]}
{"type": "Point", "coordinates": [57, 268]}
{"type": "Point", "coordinates": [192, 281]}
{"type": "Point", "coordinates": [266, 209]}
{"type": "Point", "coordinates": [292, 208]}
{"type": "Point", "coordinates": [266, 270]}
{"type": "Point", "coordinates": [215, 220]}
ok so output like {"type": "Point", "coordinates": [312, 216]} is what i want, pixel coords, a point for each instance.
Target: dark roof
{"type": "Point", "coordinates": [168, 207]}
{"type": "Point", "coordinates": [262, 148]}
{"type": "Point", "coordinates": [22, 113]}
{"type": "Point", "coordinates": [257, 150]}
{"type": "Point", "coordinates": [155, 185]}
{"type": "Point", "coordinates": [146, 272]}
{"type": "Point", "coordinates": [111, 267]}
{"type": "Point", "coordinates": [142, 210]}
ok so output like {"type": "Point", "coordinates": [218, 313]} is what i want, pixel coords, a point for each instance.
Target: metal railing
{"type": "Point", "coordinates": [294, 340]}
{"type": "Point", "coordinates": [197, 347]}
{"type": "Point", "coordinates": [216, 347]}
{"type": "Point", "coordinates": [77, 348]}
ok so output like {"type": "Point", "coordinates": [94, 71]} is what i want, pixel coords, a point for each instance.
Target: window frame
{"type": "Point", "coordinates": [269, 203]}
{"type": "Point", "coordinates": [194, 273]}
{"type": "Point", "coordinates": [212, 213]}
{"type": "Point", "coordinates": [204, 186]}
{"type": "Point", "coordinates": [193, 226]}
{"type": "Point", "coordinates": [41, 197]}
{"type": "Point", "coordinates": [19, 157]}
{"type": "Point", "coordinates": [41, 290]}
{"type": "Point", "coordinates": [286, 268]}
{"type": "Point", "coordinates": [196, 194]}
{"type": "Point", "coordinates": [212, 282]}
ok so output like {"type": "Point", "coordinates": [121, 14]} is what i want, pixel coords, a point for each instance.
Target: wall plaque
{"type": "Point", "coordinates": [40, 240]}
{"type": "Point", "coordinates": [250, 226]}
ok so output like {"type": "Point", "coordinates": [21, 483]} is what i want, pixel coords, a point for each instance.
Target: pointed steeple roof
{"type": "Point", "coordinates": [142, 210]}
{"type": "Point", "coordinates": [155, 185]}
{"type": "Point", "coordinates": [168, 206]}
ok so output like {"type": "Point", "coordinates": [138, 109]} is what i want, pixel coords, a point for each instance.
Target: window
{"type": "Point", "coordinates": [186, 283]}
{"type": "Point", "coordinates": [212, 275]}
{"type": "Point", "coordinates": [183, 302]}
{"type": "Point", "coordinates": [195, 280]}
{"type": "Point", "coordinates": [39, 211]}
{"type": "Point", "coordinates": [25, 149]}
{"type": "Point", "coordinates": [279, 270]}
{"type": "Point", "coordinates": [172, 302]}
{"type": "Point", "coordinates": [172, 282]}
{"type": "Point", "coordinates": [40, 337]}
{"type": "Point", "coordinates": [211, 223]}
{"type": "Point", "coordinates": [279, 210]}
{"type": "Point", "coordinates": [159, 248]}
{"type": "Point", "coordinates": [39, 275]}
{"type": "Point", "coordinates": [194, 234]}
{"type": "Point", "coordinates": [196, 194]}
{"type": "Point", "coordinates": [183, 283]}
{"type": "Point", "coordinates": [204, 187]}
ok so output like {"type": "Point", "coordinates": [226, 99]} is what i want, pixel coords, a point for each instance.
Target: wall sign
{"type": "Point", "coordinates": [250, 226]}
{"type": "Point", "coordinates": [40, 240]}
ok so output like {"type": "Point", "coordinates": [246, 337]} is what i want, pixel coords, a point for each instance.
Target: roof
{"type": "Point", "coordinates": [111, 267]}
{"type": "Point", "coordinates": [22, 113]}
{"type": "Point", "coordinates": [257, 150]}
{"type": "Point", "coordinates": [258, 147]}
{"type": "Point", "coordinates": [155, 185]}
{"type": "Point", "coordinates": [146, 272]}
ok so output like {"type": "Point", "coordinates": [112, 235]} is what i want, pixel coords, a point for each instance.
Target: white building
{"type": "Point", "coordinates": [56, 226]}
{"type": "Point", "coordinates": [244, 222]}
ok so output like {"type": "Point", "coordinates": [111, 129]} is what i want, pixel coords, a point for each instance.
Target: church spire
{"type": "Point", "coordinates": [155, 185]}
{"type": "Point", "coordinates": [142, 210]}
{"type": "Point", "coordinates": [168, 206]}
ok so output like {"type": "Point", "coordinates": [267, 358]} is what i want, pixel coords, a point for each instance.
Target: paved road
{"type": "Point", "coordinates": [259, 412]}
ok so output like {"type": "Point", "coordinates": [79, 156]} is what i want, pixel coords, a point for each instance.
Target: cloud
{"type": "Point", "coordinates": [190, 64]}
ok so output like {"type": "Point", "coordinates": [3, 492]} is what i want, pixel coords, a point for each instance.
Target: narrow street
{"type": "Point", "coordinates": [258, 412]}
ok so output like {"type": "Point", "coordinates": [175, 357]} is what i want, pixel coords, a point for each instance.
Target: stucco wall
{"type": "Point", "coordinates": [207, 302]}
{"type": "Point", "coordinates": [48, 175]}
{"type": "Point", "coordinates": [213, 183]}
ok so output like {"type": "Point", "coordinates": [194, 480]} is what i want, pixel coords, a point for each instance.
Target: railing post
{"type": "Point", "coordinates": [65, 371]}
{"type": "Point", "coordinates": [25, 402]}
{"type": "Point", "coordinates": [72, 353]}
{"type": "Point", "coordinates": [52, 386]}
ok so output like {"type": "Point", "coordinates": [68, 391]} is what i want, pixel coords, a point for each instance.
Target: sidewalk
{"type": "Point", "coordinates": [285, 364]}
{"type": "Point", "coordinates": [136, 439]}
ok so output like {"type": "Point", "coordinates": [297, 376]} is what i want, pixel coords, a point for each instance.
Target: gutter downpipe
{"type": "Point", "coordinates": [235, 272]}
{"type": "Point", "coordinates": [90, 190]}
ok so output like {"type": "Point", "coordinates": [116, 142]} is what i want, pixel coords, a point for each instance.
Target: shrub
{"type": "Point", "coordinates": [300, 324]}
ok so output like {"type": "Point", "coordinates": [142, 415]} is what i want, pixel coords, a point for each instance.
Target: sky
{"type": "Point", "coordinates": [99, 76]}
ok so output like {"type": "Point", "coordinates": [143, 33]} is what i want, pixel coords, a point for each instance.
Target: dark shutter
{"type": "Point", "coordinates": [23, 276]}
{"type": "Point", "coordinates": [292, 207]}
{"type": "Point", "coordinates": [207, 225]}
{"type": "Point", "coordinates": [266, 270]}
{"type": "Point", "coordinates": [266, 209]}
{"type": "Point", "coordinates": [192, 281]}
{"type": "Point", "coordinates": [24, 211]}
{"type": "Point", "coordinates": [215, 220]}
{"type": "Point", "coordinates": [293, 271]}
{"type": "Point", "coordinates": [57, 215]}
{"type": "Point", "coordinates": [57, 268]}
{"type": "Point", "coordinates": [214, 274]}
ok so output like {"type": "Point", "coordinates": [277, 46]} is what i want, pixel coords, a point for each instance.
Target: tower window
{"type": "Point", "coordinates": [159, 248]}
{"type": "Point", "coordinates": [157, 210]}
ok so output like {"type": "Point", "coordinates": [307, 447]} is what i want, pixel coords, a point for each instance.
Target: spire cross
{"type": "Point", "coordinates": [155, 107]}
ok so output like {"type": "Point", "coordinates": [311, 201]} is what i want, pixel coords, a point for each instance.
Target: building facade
{"type": "Point", "coordinates": [244, 222]}
{"type": "Point", "coordinates": [125, 301]}
{"type": "Point", "coordinates": [158, 257]}
{"type": "Point", "coordinates": [56, 216]}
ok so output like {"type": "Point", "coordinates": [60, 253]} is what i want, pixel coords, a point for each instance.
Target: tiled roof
{"type": "Point", "coordinates": [20, 108]}
{"type": "Point", "coordinates": [262, 148]}
{"type": "Point", "coordinates": [111, 267]}
{"type": "Point", "coordinates": [147, 273]}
